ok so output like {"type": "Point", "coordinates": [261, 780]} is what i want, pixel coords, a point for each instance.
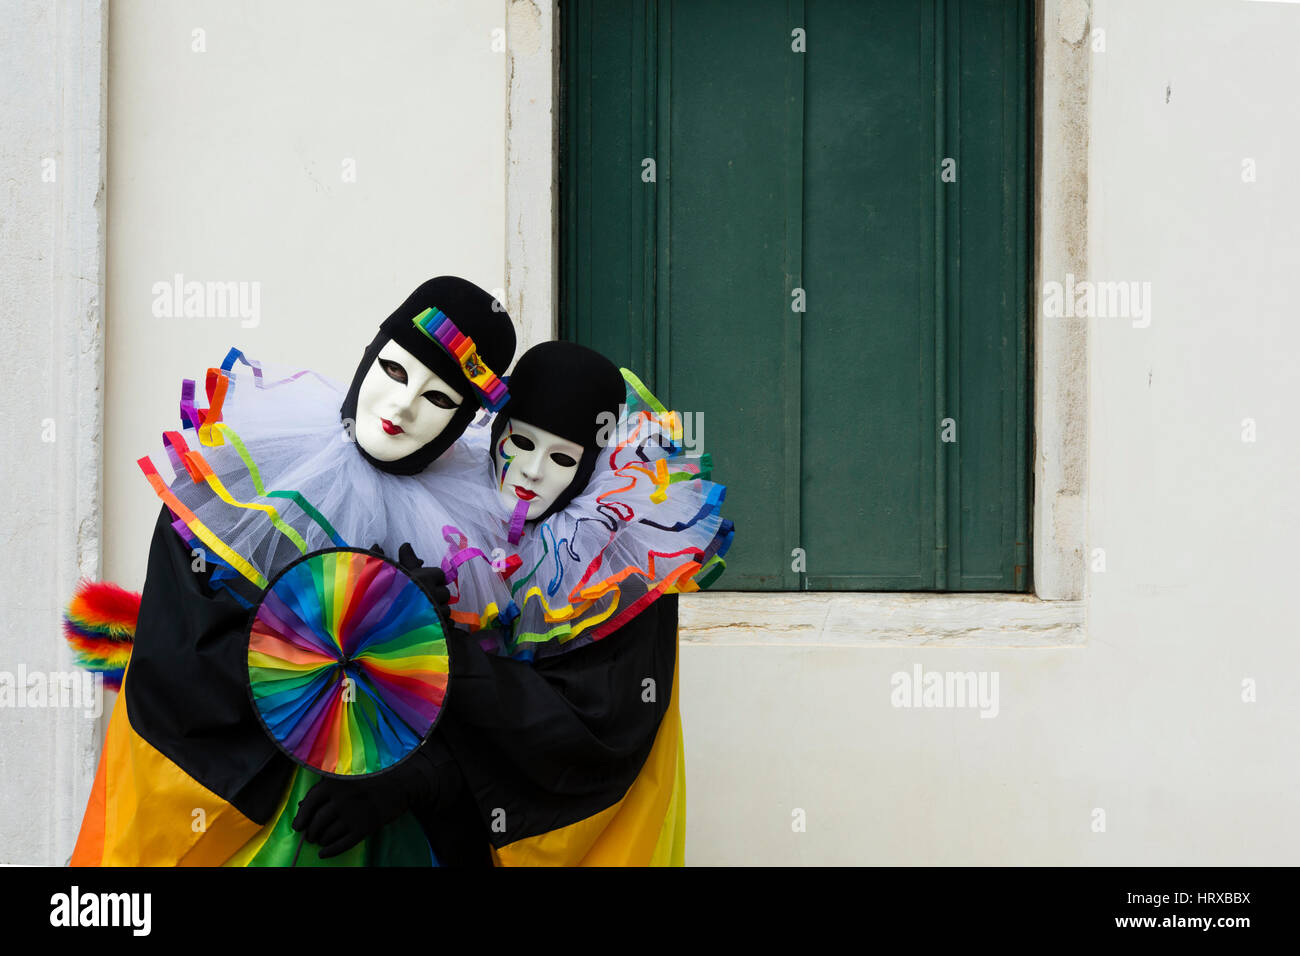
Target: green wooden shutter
{"type": "Point", "coordinates": [819, 171]}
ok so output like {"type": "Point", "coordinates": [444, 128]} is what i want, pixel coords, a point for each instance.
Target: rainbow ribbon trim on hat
{"type": "Point", "coordinates": [438, 326]}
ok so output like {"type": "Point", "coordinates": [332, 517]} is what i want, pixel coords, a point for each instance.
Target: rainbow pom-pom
{"type": "Point", "coordinates": [99, 624]}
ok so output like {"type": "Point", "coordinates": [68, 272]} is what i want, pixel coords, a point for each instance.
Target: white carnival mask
{"type": "Point", "coordinates": [401, 405]}
{"type": "Point", "coordinates": [534, 465]}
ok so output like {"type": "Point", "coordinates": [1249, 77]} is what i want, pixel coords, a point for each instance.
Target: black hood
{"type": "Point", "coordinates": [564, 389]}
{"type": "Point", "coordinates": [477, 315]}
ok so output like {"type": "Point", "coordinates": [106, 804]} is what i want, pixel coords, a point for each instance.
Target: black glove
{"type": "Point", "coordinates": [336, 814]}
{"type": "Point", "coordinates": [431, 579]}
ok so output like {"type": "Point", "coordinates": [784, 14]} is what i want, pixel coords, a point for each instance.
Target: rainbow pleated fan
{"type": "Point", "coordinates": [347, 662]}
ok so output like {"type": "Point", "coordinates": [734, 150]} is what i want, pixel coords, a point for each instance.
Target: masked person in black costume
{"type": "Point", "coordinates": [188, 774]}
{"type": "Point", "coordinates": [561, 742]}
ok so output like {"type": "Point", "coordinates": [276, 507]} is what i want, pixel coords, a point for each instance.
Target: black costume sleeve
{"type": "Point", "coordinates": [186, 685]}
{"type": "Point", "coordinates": [546, 744]}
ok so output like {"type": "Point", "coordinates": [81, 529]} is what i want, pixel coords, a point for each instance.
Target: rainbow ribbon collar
{"type": "Point", "coordinates": [438, 326]}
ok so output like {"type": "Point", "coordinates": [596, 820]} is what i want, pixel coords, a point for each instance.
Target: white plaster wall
{"type": "Point", "coordinates": [51, 307]}
{"type": "Point", "coordinates": [1145, 720]}
{"type": "Point", "coordinates": [227, 165]}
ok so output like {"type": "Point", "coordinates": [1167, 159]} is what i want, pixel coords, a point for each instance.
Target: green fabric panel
{"type": "Point", "coordinates": [401, 843]}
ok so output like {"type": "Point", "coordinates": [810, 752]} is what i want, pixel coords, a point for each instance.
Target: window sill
{"type": "Point", "coordinates": [879, 619]}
